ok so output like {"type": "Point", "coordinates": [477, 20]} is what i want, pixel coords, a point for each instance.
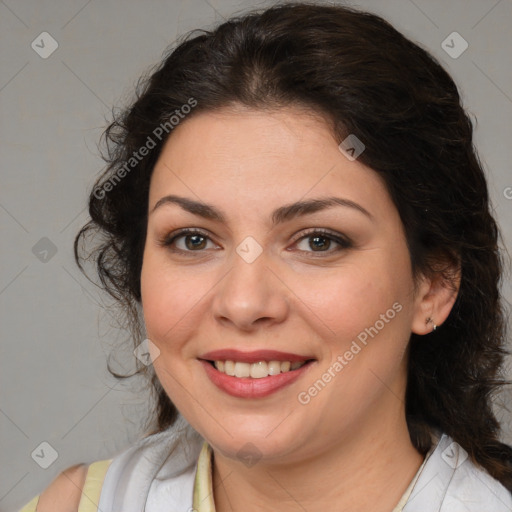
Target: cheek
{"type": "Point", "coordinates": [367, 310]}
{"type": "Point", "coordinates": [168, 298]}
{"type": "Point", "coordinates": [350, 299]}
{"type": "Point", "coordinates": [364, 356]}
{"type": "Point", "coordinates": [169, 301]}
{"type": "Point", "coordinates": [370, 312]}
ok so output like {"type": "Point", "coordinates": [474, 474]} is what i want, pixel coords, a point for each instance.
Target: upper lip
{"type": "Point", "coordinates": [253, 356]}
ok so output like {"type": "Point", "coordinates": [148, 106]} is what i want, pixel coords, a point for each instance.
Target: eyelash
{"type": "Point", "coordinates": [343, 242]}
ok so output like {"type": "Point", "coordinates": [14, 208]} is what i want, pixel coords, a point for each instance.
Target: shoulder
{"type": "Point", "coordinates": [64, 493]}
{"type": "Point", "coordinates": [153, 466]}
{"type": "Point", "coordinates": [67, 489]}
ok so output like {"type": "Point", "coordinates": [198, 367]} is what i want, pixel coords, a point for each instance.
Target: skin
{"type": "Point", "coordinates": [349, 445]}
{"type": "Point", "coordinates": [63, 494]}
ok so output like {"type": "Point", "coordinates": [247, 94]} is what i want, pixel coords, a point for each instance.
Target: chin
{"type": "Point", "coordinates": [254, 439]}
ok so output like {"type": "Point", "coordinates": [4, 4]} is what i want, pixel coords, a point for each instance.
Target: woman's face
{"type": "Point", "coordinates": [296, 255]}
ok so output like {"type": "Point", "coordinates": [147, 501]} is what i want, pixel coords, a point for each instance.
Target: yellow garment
{"type": "Point", "coordinates": [203, 488]}
{"type": "Point", "coordinates": [91, 491]}
{"type": "Point", "coordinates": [92, 486]}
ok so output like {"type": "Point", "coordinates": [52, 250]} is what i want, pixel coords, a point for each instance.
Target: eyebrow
{"type": "Point", "coordinates": [280, 215]}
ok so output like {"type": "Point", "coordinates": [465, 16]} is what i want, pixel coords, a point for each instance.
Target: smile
{"type": "Point", "coordinates": [257, 370]}
{"type": "Point", "coordinates": [254, 374]}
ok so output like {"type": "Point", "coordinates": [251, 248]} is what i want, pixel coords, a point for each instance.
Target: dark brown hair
{"type": "Point", "coordinates": [366, 79]}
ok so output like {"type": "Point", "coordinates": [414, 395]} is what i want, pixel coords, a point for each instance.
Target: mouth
{"type": "Point", "coordinates": [258, 370]}
{"type": "Point", "coordinates": [253, 374]}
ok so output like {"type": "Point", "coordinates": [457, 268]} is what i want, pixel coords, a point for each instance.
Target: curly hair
{"type": "Point", "coordinates": [366, 79]}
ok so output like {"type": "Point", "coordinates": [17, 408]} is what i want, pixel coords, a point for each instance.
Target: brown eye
{"type": "Point", "coordinates": [194, 242]}
{"type": "Point", "coordinates": [321, 241]}
{"type": "Point", "coordinates": [187, 240]}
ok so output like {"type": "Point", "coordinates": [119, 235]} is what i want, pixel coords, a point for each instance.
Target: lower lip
{"type": "Point", "coordinates": [246, 387]}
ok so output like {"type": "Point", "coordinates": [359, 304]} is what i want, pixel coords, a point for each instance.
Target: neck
{"type": "Point", "coordinates": [369, 469]}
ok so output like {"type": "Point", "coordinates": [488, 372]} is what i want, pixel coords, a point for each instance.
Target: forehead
{"type": "Point", "coordinates": [247, 134]}
{"type": "Point", "coordinates": [259, 157]}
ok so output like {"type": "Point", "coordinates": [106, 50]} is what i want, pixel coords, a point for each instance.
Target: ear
{"type": "Point", "coordinates": [434, 299]}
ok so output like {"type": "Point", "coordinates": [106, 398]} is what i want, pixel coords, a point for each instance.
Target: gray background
{"type": "Point", "coordinates": [55, 329]}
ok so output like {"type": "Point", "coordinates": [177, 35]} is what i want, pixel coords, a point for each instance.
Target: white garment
{"type": "Point", "coordinates": [157, 475]}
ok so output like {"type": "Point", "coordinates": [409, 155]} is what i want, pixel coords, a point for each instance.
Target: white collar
{"type": "Point", "coordinates": [167, 461]}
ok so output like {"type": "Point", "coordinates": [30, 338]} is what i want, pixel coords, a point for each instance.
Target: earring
{"type": "Point", "coordinates": [430, 321]}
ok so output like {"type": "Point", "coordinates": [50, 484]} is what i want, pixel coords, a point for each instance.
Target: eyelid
{"type": "Point", "coordinates": [321, 231]}
{"type": "Point", "coordinates": [171, 237]}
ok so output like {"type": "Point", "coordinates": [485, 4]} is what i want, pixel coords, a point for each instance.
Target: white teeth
{"type": "Point", "coordinates": [256, 370]}
{"type": "Point", "coordinates": [242, 369]}
{"type": "Point", "coordinates": [275, 367]}
{"type": "Point", "coordinates": [259, 370]}
{"type": "Point", "coordinates": [229, 368]}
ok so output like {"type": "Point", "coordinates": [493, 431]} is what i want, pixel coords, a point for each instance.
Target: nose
{"type": "Point", "coordinates": [250, 295]}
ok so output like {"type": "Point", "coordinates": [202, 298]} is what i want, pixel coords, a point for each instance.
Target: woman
{"type": "Point", "coordinates": [295, 208]}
